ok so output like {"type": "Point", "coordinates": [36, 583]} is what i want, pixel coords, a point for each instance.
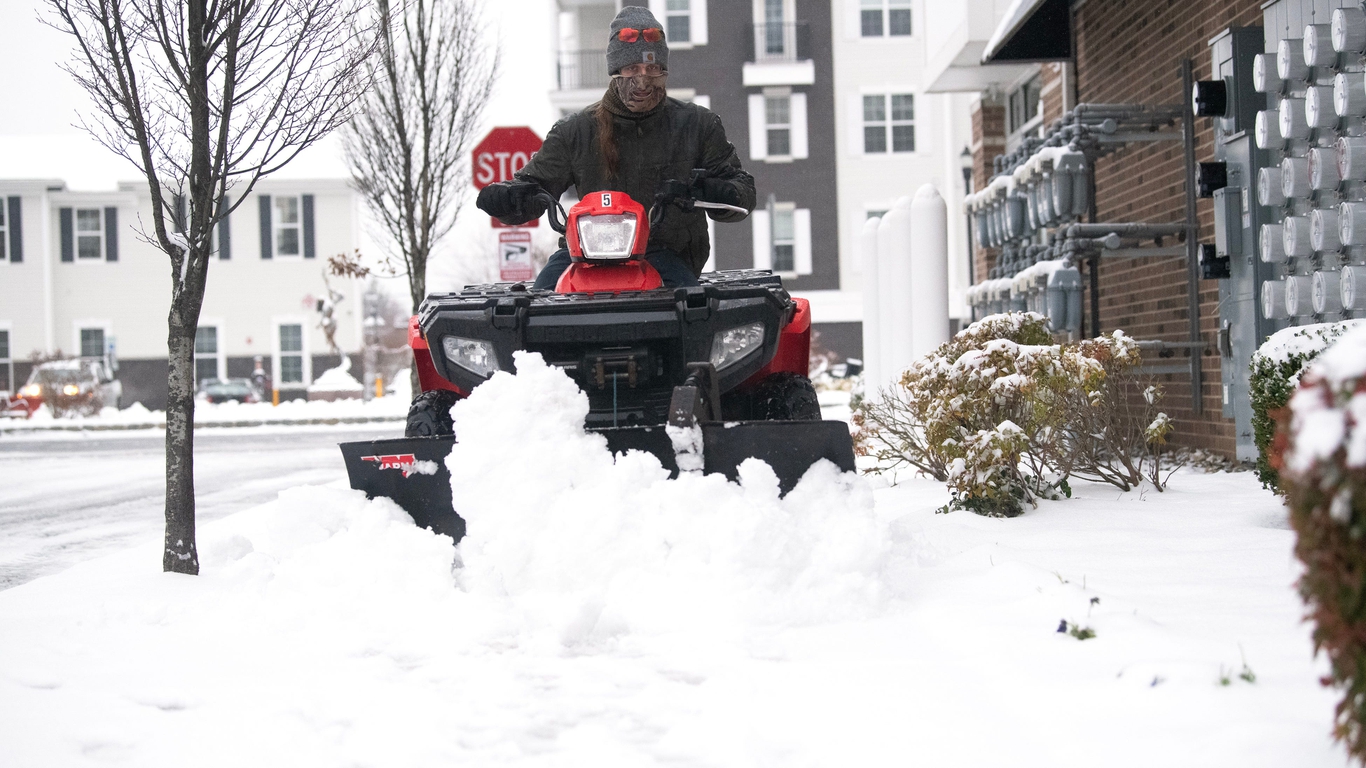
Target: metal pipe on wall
{"type": "Point", "coordinates": [1192, 243]}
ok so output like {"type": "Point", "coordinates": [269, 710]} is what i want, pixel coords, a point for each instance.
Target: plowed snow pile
{"type": "Point", "coordinates": [597, 549]}
{"type": "Point", "coordinates": [601, 614]}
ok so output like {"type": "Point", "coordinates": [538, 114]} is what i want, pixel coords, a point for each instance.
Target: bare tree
{"type": "Point", "coordinates": [433, 73]}
{"type": "Point", "coordinates": [206, 97]}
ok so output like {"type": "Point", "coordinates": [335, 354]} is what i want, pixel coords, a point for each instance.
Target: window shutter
{"type": "Point", "coordinates": [225, 232]}
{"type": "Point", "coordinates": [180, 217]}
{"type": "Point", "coordinates": [309, 252]}
{"type": "Point", "coordinates": [801, 250]}
{"type": "Point", "coordinates": [267, 249]}
{"type": "Point", "coordinates": [855, 117]}
{"type": "Point", "coordinates": [853, 19]}
{"type": "Point", "coordinates": [68, 234]}
{"type": "Point", "coordinates": [15, 220]}
{"type": "Point", "coordinates": [798, 112]}
{"type": "Point", "coordinates": [111, 234]}
{"type": "Point", "coordinates": [758, 128]}
{"type": "Point", "coordinates": [763, 249]}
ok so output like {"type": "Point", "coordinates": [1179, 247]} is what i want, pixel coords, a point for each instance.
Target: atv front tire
{"type": "Point", "coordinates": [430, 414]}
{"type": "Point", "coordinates": [785, 397]}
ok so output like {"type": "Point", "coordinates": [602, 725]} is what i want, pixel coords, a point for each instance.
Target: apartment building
{"type": "Point", "coordinates": [78, 277]}
{"type": "Point", "coordinates": [1205, 267]}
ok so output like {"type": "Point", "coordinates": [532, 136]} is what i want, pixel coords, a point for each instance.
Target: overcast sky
{"type": "Point", "coordinates": [39, 103]}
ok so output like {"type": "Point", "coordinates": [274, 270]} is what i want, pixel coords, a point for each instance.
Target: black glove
{"type": "Point", "coordinates": [511, 202]}
{"type": "Point", "coordinates": [710, 190]}
{"type": "Point", "coordinates": [673, 189]}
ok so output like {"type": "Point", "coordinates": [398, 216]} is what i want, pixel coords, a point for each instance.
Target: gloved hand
{"type": "Point", "coordinates": [511, 202]}
{"type": "Point", "coordinates": [673, 189]}
{"type": "Point", "coordinates": [712, 190]}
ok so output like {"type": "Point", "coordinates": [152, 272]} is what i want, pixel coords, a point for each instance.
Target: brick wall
{"type": "Point", "coordinates": [988, 141]}
{"type": "Point", "coordinates": [1130, 51]}
{"type": "Point", "coordinates": [1051, 93]}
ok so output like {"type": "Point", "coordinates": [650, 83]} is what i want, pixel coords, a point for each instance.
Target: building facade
{"type": "Point", "coordinates": [78, 278]}
{"type": "Point", "coordinates": [1220, 252]}
{"type": "Point", "coordinates": [817, 98]}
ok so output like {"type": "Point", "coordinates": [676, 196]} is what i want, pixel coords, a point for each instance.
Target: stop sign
{"type": "Point", "coordinates": [502, 153]}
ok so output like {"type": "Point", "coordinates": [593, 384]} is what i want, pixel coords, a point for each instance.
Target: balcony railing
{"type": "Point", "coordinates": [583, 69]}
{"type": "Point", "coordinates": [786, 41]}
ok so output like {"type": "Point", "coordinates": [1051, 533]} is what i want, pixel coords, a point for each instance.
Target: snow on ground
{"type": "Point", "coordinates": [601, 614]}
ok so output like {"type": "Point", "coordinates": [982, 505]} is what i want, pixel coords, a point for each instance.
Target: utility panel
{"type": "Point", "coordinates": [1234, 103]}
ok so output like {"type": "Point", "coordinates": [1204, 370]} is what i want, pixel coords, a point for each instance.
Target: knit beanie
{"type": "Point", "coordinates": [621, 54]}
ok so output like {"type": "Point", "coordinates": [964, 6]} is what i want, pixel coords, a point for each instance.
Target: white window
{"type": "Point", "coordinates": [685, 21]}
{"type": "Point", "coordinates": [784, 243]}
{"type": "Point", "coordinates": [288, 230]}
{"type": "Point", "coordinates": [778, 122]}
{"type": "Point", "coordinates": [6, 363]}
{"type": "Point", "coordinates": [4, 234]}
{"type": "Point", "coordinates": [678, 21]}
{"type": "Point", "coordinates": [89, 233]}
{"type": "Point", "coordinates": [884, 18]}
{"type": "Point", "coordinates": [777, 125]}
{"type": "Point", "coordinates": [291, 357]}
{"type": "Point", "coordinates": [208, 359]}
{"type": "Point", "coordinates": [92, 342]}
{"type": "Point", "coordinates": [782, 238]}
{"type": "Point", "coordinates": [888, 123]}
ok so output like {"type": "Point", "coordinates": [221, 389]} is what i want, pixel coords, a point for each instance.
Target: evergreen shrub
{"type": "Point", "coordinates": [1276, 368]}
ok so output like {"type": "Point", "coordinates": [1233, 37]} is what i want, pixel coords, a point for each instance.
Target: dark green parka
{"type": "Point", "coordinates": [665, 143]}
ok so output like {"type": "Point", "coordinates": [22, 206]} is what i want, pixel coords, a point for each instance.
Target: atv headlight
{"type": "Point", "coordinates": [32, 390]}
{"type": "Point", "coordinates": [473, 355]}
{"type": "Point", "coordinates": [607, 236]}
{"type": "Point", "coordinates": [729, 347]}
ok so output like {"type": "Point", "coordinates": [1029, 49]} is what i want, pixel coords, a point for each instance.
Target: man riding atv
{"type": "Point", "coordinates": [638, 141]}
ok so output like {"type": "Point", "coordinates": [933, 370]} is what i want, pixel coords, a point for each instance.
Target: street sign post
{"type": "Point", "coordinates": [502, 153]}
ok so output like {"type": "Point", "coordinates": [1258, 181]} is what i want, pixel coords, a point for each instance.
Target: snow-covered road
{"type": "Point", "coordinates": [65, 498]}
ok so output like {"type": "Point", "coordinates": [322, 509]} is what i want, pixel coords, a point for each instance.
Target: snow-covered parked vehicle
{"type": "Point", "coordinates": [80, 386]}
{"type": "Point", "coordinates": [226, 390]}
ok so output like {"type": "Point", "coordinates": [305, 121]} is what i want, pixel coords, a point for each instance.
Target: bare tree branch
{"type": "Point", "coordinates": [206, 98]}
{"type": "Point", "coordinates": [433, 73]}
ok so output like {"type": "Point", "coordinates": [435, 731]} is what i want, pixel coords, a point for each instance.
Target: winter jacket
{"type": "Point", "coordinates": [665, 143]}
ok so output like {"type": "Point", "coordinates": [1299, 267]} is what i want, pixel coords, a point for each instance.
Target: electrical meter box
{"type": "Point", "coordinates": [1237, 219]}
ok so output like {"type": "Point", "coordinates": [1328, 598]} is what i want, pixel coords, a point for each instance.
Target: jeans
{"type": "Point", "coordinates": [671, 269]}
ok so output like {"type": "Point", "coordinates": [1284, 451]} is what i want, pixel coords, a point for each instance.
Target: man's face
{"type": "Point", "coordinates": [641, 87]}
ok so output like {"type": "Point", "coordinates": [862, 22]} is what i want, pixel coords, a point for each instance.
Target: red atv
{"type": "Point", "coordinates": [729, 355]}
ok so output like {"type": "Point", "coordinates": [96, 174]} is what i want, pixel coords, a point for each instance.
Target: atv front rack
{"type": "Point", "coordinates": [639, 336]}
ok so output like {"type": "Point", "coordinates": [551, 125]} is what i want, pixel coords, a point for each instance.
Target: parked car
{"type": "Point", "coordinates": [81, 386]}
{"type": "Point", "coordinates": [223, 390]}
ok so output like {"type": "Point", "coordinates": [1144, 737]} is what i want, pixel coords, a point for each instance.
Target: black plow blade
{"type": "Point", "coordinates": [412, 470]}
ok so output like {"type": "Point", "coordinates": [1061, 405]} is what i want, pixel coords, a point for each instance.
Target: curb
{"type": "Point", "coordinates": [14, 430]}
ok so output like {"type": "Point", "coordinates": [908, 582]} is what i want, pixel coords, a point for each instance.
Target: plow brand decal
{"type": "Point", "coordinates": [404, 461]}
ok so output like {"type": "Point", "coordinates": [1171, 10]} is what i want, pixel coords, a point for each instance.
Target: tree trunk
{"type": "Point", "coordinates": [417, 290]}
{"type": "Point", "coordinates": [181, 554]}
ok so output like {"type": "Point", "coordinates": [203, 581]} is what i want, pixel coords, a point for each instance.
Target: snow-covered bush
{"type": "Point", "coordinates": [1276, 368]}
{"type": "Point", "coordinates": [1005, 416]}
{"type": "Point", "coordinates": [1320, 452]}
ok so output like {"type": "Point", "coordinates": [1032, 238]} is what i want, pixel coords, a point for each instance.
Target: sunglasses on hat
{"type": "Point", "coordinates": [651, 35]}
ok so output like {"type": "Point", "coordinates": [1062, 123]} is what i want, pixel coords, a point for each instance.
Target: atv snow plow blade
{"type": "Point", "coordinates": [396, 468]}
